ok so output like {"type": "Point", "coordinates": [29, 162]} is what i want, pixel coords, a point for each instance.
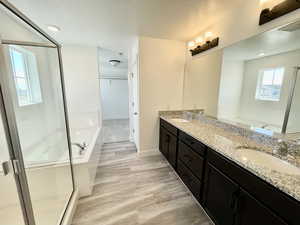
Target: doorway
{"type": "Point", "coordinates": [113, 73]}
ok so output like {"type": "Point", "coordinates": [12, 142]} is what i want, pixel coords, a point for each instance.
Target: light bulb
{"type": "Point", "coordinates": [191, 44]}
{"type": "Point", "coordinates": [208, 36]}
{"type": "Point", "coordinates": [199, 40]}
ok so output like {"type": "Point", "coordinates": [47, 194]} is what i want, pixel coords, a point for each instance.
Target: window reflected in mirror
{"type": "Point", "coordinates": [269, 84]}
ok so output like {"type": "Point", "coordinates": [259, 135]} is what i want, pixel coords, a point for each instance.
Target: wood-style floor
{"type": "Point", "coordinates": [115, 130]}
{"type": "Point", "coordinates": [137, 189]}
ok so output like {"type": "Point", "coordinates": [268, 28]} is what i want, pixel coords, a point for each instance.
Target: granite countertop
{"type": "Point", "coordinates": [230, 144]}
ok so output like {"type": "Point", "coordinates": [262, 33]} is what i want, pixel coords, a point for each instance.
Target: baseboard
{"type": "Point", "coordinates": [68, 217]}
{"type": "Point", "coordinates": [145, 151]}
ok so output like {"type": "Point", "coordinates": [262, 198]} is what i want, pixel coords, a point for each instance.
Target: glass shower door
{"type": "Point", "coordinates": [10, 207]}
{"type": "Point", "coordinates": [34, 87]}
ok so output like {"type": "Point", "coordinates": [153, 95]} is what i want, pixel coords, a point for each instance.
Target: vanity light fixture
{"type": "Point", "coordinates": [53, 28]}
{"type": "Point", "coordinates": [203, 44]}
{"type": "Point", "coordinates": [279, 10]}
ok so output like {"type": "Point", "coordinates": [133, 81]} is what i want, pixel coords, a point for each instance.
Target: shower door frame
{"type": "Point", "coordinates": [9, 120]}
{"type": "Point", "coordinates": [290, 100]}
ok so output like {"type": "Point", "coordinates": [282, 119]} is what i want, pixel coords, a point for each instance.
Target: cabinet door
{"type": "Point", "coordinates": [172, 157]}
{"type": "Point", "coordinates": [220, 196]}
{"type": "Point", "coordinates": [191, 181]}
{"type": "Point", "coordinates": [163, 142]}
{"type": "Point", "coordinates": [253, 212]}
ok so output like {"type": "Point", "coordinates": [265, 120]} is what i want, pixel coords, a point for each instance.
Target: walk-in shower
{"type": "Point", "coordinates": [34, 135]}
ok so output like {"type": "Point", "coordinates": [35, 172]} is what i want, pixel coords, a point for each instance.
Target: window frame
{"type": "Point", "coordinates": [26, 54]}
{"type": "Point", "coordinates": [259, 83]}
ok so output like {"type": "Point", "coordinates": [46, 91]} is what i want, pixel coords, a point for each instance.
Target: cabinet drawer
{"type": "Point", "coordinates": [191, 181]}
{"type": "Point", "coordinates": [193, 143]}
{"type": "Point", "coordinates": [169, 127]}
{"type": "Point", "coordinates": [279, 202]}
{"type": "Point", "coordinates": [191, 159]}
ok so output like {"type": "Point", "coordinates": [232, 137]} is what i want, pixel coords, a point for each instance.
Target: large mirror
{"type": "Point", "coordinates": [257, 81]}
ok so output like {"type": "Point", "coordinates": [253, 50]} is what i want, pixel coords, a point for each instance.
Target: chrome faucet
{"type": "Point", "coordinates": [82, 147]}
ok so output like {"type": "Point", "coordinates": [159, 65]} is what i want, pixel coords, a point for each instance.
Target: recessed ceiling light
{"type": "Point", "coordinates": [53, 28]}
{"type": "Point", "coordinates": [261, 54]}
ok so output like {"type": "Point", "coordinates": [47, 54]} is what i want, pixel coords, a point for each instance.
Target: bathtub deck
{"type": "Point", "coordinates": [136, 189]}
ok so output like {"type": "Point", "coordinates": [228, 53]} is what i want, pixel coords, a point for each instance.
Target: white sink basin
{"type": "Point", "coordinates": [180, 120]}
{"type": "Point", "coordinates": [268, 161]}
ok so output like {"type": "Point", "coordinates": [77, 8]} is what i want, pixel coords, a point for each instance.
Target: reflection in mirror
{"type": "Point", "coordinates": [257, 80]}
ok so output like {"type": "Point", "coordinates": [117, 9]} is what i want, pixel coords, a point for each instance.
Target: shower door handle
{"type": "Point", "coordinates": [11, 165]}
{"type": "Point", "coordinates": [5, 168]}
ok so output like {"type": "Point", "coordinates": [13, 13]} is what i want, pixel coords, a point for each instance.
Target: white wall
{"type": "Point", "coordinates": [82, 86]}
{"type": "Point", "coordinates": [114, 95]}
{"type": "Point", "coordinates": [201, 83]}
{"type": "Point", "coordinates": [230, 89]}
{"type": "Point", "coordinates": [161, 69]}
{"type": "Point", "coordinates": [271, 112]}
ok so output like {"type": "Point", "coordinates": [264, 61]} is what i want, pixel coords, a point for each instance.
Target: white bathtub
{"type": "Point", "coordinates": [85, 165]}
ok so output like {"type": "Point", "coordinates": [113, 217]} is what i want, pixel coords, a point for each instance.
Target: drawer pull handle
{"type": "Point", "coordinates": [234, 201]}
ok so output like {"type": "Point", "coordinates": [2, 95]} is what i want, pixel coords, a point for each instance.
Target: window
{"type": "Point", "coordinates": [25, 75]}
{"type": "Point", "coordinates": [269, 84]}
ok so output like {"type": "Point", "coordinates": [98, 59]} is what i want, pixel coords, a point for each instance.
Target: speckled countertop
{"type": "Point", "coordinates": [229, 145]}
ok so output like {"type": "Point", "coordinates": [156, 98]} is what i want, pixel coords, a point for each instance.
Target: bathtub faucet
{"type": "Point", "coordinates": [82, 147]}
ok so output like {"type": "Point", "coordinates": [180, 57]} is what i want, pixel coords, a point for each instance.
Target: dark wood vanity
{"type": "Point", "coordinates": [230, 194]}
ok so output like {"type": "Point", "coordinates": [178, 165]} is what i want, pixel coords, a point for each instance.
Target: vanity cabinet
{"type": "Point", "coordinates": [168, 143]}
{"type": "Point", "coordinates": [220, 197]}
{"type": "Point", "coordinates": [229, 204]}
{"type": "Point", "coordinates": [250, 211]}
{"type": "Point", "coordinates": [274, 201]}
{"type": "Point", "coordinates": [229, 193]}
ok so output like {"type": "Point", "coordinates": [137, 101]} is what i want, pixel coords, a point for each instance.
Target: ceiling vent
{"type": "Point", "coordinates": [114, 62]}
